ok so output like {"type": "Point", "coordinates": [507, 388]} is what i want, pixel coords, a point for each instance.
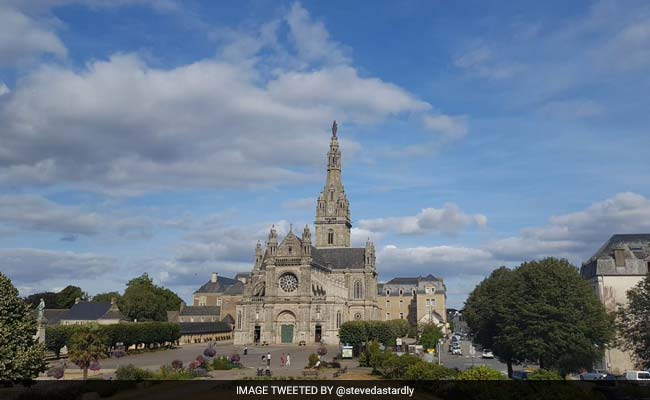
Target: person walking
{"type": "Point", "coordinates": [288, 363]}
{"type": "Point", "coordinates": [282, 360]}
{"type": "Point", "coordinates": [245, 350]}
{"type": "Point", "coordinates": [268, 358]}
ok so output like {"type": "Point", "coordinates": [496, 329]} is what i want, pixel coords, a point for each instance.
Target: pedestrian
{"type": "Point", "coordinates": [288, 363]}
{"type": "Point", "coordinates": [263, 359]}
{"type": "Point", "coordinates": [282, 360]}
{"type": "Point", "coordinates": [268, 358]}
{"type": "Point", "coordinates": [245, 350]}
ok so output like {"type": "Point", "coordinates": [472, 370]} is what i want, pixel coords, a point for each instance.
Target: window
{"type": "Point", "coordinates": [401, 292]}
{"type": "Point", "coordinates": [387, 316]}
{"type": "Point", "coordinates": [401, 304]}
{"type": "Point", "coordinates": [387, 292]}
{"type": "Point", "coordinates": [401, 315]}
{"type": "Point", "coordinates": [358, 290]}
{"type": "Point", "coordinates": [413, 291]}
{"type": "Point", "coordinates": [619, 257]}
{"type": "Point", "coordinates": [239, 320]}
{"type": "Point", "coordinates": [203, 301]}
{"type": "Point", "coordinates": [290, 249]}
{"type": "Point", "coordinates": [387, 303]}
{"type": "Point", "coordinates": [338, 319]}
{"type": "Point", "coordinates": [330, 236]}
{"type": "Point", "coordinates": [428, 302]}
{"type": "Point", "coordinates": [219, 301]}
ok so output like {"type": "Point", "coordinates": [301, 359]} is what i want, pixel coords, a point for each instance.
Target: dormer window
{"type": "Point", "coordinates": [619, 257]}
{"type": "Point", "coordinates": [290, 249]}
{"type": "Point", "coordinates": [387, 292]}
{"type": "Point", "coordinates": [401, 292]}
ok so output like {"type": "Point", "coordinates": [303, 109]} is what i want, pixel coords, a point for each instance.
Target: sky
{"type": "Point", "coordinates": [167, 137]}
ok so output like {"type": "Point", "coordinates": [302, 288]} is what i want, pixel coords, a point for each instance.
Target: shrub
{"type": "Point", "coordinates": [322, 351]}
{"type": "Point", "coordinates": [234, 358]}
{"type": "Point", "coordinates": [544, 375]}
{"type": "Point", "coordinates": [313, 359]}
{"type": "Point", "coordinates": [167, 372]}
{"type": "Point", "coordinates": [177, 364]}
{"type": "Point", "coordinates": [95, 366]}
{"type": "Point", "coordinates": [132, 373]}
{"type": "Point", "coordinates": [210, 351]}
{"type": "Point", "coordinates": [335, 364]}
{"type": "Point", "coordinates": [200, 362]}
{"type": "Point", "coordinates": [392, 366]}
{"type": "Point", "coordinates": [56, 372]}
{"type": "Point", "coordinates": [481, 373]}
{"type": "Point", "coordinates": [363, 360]}
{"type": "Point", "coordinates": [426, 371]}
{"type": "Point", "coordinates": [220, 364]}
{"type": "Point", "coordinates": [430, 335]}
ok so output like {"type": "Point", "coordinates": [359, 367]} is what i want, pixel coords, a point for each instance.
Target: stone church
{"type": "Point", "coordinates": [301, 291]}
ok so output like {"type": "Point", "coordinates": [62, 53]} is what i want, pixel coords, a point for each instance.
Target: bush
{"type": "Point", "coordinates": [169, 373]}
{"type": "Point", "coordinates": [430, 335]}
{"type": "Point", "coordinates": [392, 366]}
{"type": "Point", "coordinates": [56, 372]}
{"type": "Point", "coordinates": [210, 351]}
{"type": "Point", "coordinates": [426, 371]}
{"type": "Point", "coordinates": [132, 373]}
{"type": "Point", "coordinates": [357, 332]}
{"type": "Point", "coordinates": [481, 373]}
{"type": "Point", "coordinates": [234, 358]}
{"type": "Point", "coordinates": [177, 364]}
{"type": "Point", "coordinates": [220, 364]}
{"type": "Point", "coordinates": [544, 375]}
{"type": "Point", "coordinates": [322, 351]}
{"type": "Point", "coordinates": [313, 359]}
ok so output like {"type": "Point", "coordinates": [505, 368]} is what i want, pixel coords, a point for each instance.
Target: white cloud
{"type": "Point", "coordinates": [448, 220]}
{"type": "Point", "coordinates": [481, 61]}
{"type": "Point", "coordinates": [23, 38]}
{"type": "Point", "coordinates": [307, 203]}
{"type": "Point", "coordinates": [452, 127]}
{"type": "Point", "coordinates": [35, 265]}
{"type": "Point", "coordinates": [578, 235]}
{"type": "Point", "coordinates": [441, 260]}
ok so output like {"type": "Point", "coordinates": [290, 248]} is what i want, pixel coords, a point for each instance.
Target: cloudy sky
{"type": "Point", "coordinates": [166, 137]}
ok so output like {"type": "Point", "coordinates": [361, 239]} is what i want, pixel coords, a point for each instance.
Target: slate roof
{"type": "Point", "coordinates": [222, 285]}
{"type": "Point", "coordinates": [53, 315]}
{"type": "Point", "coordinates": [412, 281]}
{"type": "Point", "coordinates": [188, 328]}
{"type": "Point", "coordinates": [200, 310]}
{"type": "Point", "coordinates": [340, 258]}
{"type": "Point", "coordinates": [89, 311]}
{"type": "Point", "coordinates": [639, 244]}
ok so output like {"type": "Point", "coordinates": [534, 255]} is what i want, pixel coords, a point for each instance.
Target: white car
{"type": "Point", "coordinates": [456, 351]}
{"type": "Point", "coordinates": [637, 375]}
{"type": "Point", "coordinates": [487, 354]}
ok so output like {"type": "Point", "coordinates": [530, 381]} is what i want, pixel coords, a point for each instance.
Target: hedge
{"type": "Point", "coordinates": [355, 333]}
{"type": "Point", "coordinates": [147, 333]}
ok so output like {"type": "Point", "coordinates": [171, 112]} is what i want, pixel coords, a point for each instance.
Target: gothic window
{"type": "Point", "coordinates": [401, 292]}
{"type": "Point", "coordinates": [288, 282]}
{"type": "Point", "coordinates": [401, 304]}
{"type": "Point", "coordinates": [331, 195]}
{"type": "Point", "coordinates": [358, 290]}
{"type": "Point", "coordinates": [413, 292]}
{"type": "Point", "coordinates": [290, 249]}
{"type": "Point", "coordinates": [330, 236]}
{"type": "Point", "coordinates": [387, 292]}
{"type": "Point", "coordinates": [387, 316]}
{"type": "Point", "coordinates": [401, 315]}
{"type": "Point", "coordinates": [338, 319]}
{"type": "Point", "coordinates": [239, 320]}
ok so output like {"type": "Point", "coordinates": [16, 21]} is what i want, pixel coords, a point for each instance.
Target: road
{"type": "Point", "coordinates": [466, 361]}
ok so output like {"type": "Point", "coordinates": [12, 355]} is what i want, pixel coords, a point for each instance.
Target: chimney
{"type": "Point", "coordinates": [77, 300]}
{"type": "Point", "coordinates": [214, 277]}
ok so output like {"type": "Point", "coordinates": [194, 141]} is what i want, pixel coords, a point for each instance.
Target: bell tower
{"type": "Point", "coordinates": [332, 208]}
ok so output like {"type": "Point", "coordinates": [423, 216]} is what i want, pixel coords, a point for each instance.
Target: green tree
{"type": "Point", "coordinates": [485, 311]}
{"type": "Point", "coordinates": [400, 327]}
{"type": "Point", "coordinates": [21, 357]}
{"type": "Point", "coordinates": [144, 301]}
{"type": "Point", "coordinates": [106, 297]}
{"type": "Point", "coordinates": [423, 370]}
{"type": "Point", "coordinates": [50, 298]}
{"type": "Point", "coordinates": [86, 347]}
{"type": "Point", "coordinates": [430, 336]}
{"type": "Point", "coordinates": [633, 322]}
{"type": "Point", "coordinates": [67, 297]}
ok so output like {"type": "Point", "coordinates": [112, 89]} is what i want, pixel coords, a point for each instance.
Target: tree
{"type": "Point", "coordinates": [566, 327]}
{"type": "Point", "coordinates": [485, 312]}
{"type": "Point", "coordinates": [542, 312]}
{"type": "Point", "coordinates": [144, 301]}
{"type": "Point", "coordinates": [67, 297]}
{"type": "Point", "coordinates": [106, 297]}
{"type": "Point", "coordinates": [50, 298]}
{"type": "Point", "coordinates": [430, 336]}
{"type": "Point", "coordinates": [482, 373]}
{"type": "Point", "coordinates": [21, 357]}
{"type": "Point", "coordinates": [86, 348]}
{"type": "Point", "coordinates": [633, 322]}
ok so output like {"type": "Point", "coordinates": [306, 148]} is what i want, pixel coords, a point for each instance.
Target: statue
{"type": "Point", "coordinates": [334, 129]}
{"type": "Point", "coordinates": [41, 308]}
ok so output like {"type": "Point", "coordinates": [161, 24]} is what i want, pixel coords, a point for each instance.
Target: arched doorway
{"type": "Point", "coordinates": [286, 326]}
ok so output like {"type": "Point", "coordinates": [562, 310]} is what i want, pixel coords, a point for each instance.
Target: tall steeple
{"type": "Point", "coordinates": [332, 209]}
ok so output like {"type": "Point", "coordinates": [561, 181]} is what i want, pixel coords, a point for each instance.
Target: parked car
{"type": "Point", "coordinates": [520, 375]}
{"type": "Point", "coordinates": [487, 354]}
{"type": "Point", "coordinates": [456, 351]}
{"type": "Point", "coordinates": [594, 375]}
{"type": "Point", "coordinates": [637, 375]}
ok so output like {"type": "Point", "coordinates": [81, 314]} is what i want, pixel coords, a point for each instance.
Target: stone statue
{"type": "Point", "coordinates": [334, 128]}
{"type": "Point", "coordinates": [41, 309]}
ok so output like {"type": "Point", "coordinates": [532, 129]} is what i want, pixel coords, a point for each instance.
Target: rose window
{"type": "Point", "coordinates": [357, 316]}
{"type": "Point", "coordinates": [288, 283]}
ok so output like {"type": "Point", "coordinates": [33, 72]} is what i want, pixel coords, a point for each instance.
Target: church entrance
{"type": "Point", "coordinates": [318, 335]}
{"type": "Point", "coordinates": [286, 333]}
{"type": "Point", "coordinates": [258, 334]}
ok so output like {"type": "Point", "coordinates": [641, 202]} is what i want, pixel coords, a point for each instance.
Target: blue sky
{"type": "Point", "coordinates": [166, 137]}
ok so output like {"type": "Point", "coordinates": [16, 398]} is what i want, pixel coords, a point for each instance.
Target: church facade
{"type": "Point", "coordinates": [302, 289]}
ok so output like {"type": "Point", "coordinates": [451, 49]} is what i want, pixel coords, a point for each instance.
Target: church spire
{"type": "Point", "coordinates": [332, 210]}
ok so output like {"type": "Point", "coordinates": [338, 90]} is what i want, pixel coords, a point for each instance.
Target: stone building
{"type": "Point", "coordinates": [620, 264]}
{"type": "Point", "coordinates": [86, 312]}
{"type": "Point", "coordinates": [301, 291]}
{"type": "Point", "coordinates": [420, 299]}
{"type": "Point", "coordinates": [221, 292]}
